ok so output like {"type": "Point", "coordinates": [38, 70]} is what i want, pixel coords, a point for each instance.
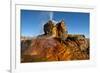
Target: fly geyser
{"type": "Point", "coordinates": [56, 44]}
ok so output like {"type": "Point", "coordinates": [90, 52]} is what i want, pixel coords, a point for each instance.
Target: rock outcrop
{"type": "Point", "coordinates": [48, 27]}
{"type": "Point", "coordinates": [50, 49]}
{"type": "Point", "coordinates": [55, 45]}
{"type": "Point", "coordinates": [56, 30]}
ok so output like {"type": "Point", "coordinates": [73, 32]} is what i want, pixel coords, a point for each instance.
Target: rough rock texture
{"type": "Point", "coordinates": [52, 49]}
{"type": "Point", "coordinates": [48, 27]}
{"type": "Point", "coordinates": [56, 30]}
{"type": "Point", "coordinates": [61, 30]}
{"type": "Point", "coordinates": [54, 45]}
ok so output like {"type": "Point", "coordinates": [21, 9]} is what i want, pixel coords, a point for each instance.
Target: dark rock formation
{"type": "Point", "coordinates": [48, 27]}
{"type": "Point", "coordinates": [57, 30]}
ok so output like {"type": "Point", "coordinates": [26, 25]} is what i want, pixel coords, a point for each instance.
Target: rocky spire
{"type": "Point", "coordinates": [57, 30]}
{"type": "Point", "coordinates": [48, 27]}
{"type": "Point", "coordinates": [61, 29]}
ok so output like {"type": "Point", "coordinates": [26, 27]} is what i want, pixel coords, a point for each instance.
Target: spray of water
{"type": "Point", "coordinates": [51, 15]}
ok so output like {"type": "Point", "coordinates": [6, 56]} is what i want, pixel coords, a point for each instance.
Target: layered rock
{"type": "Point", "coordinates": [50, 49]}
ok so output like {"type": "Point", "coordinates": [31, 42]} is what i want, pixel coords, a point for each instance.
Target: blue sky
{"type": "Point", "coordinates": [32, 21]}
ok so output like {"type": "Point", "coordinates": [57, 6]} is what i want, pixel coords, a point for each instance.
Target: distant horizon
{"type": "Point", "coordinates": [41, 34]}
{"type": "Point", "coordinates": [32, 22]}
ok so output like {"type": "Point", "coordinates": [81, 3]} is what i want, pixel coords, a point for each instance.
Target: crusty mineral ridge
{"type": "Point", "coordinates": [50, 49]}
{"type": "Point", "coordinates": [55, 45]}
